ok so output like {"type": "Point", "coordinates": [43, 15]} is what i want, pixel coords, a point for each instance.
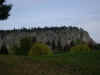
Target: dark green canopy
{"type": "Point", "coordinates": [4, 10]}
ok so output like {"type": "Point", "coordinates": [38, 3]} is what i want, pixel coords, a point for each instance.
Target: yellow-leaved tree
{"type": "Point", "coordinates": [39, 49]}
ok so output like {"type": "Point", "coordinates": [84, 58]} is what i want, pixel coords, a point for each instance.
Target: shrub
{"type": "Point", "coordinates": [16, 50]}
{"type": "Point", "coordinates": [96, 47]}
{"type": "Point", "coordinates": [25, 45]}
{"type": "Point", "coordinates": [40, 49]}
{"type": "Point", "coordinates": [80, 48]}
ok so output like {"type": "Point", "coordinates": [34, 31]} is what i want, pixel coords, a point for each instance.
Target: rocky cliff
{"type": "Point", "coordinates": [54, 35]}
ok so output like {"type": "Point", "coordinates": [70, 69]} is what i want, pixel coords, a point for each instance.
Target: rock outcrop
{"type": "Point", "coordinates": [55, 35]}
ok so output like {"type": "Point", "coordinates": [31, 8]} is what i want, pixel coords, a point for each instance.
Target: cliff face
{"type": "Point", "coordinates": [62, 35]}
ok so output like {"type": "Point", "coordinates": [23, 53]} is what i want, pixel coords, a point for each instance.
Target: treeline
{"type": "Point", "coordinates": [43, 29]}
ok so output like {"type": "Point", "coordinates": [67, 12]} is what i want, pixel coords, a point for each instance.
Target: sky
{"type": "Point", "coordinates": [40, 13]}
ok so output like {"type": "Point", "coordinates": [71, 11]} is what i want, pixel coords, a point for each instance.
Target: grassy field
{"type": "Point", "coordinates": [60, 64]}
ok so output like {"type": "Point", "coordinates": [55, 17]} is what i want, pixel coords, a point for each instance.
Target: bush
{"type": "Point", "coordinates": [80, 48]}
{"type": "Point", "coordinates": [96, 47]}
{"type": "Point", "coordinates": [25, 46]}
{"type": "Point", "coordinates": [16, 50]}
{"type": "Point", "coordinates": [40, 49]}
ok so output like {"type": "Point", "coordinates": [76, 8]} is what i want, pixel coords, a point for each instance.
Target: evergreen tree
{"type": "Point", "coordinates": [26, 44]}
{"type": "Point", "coordinates": [34, 39]}
{"type": "Point", "coordinates": [48, 43]}
{"type": "Point", "coordinates": [72, 43]}
{"type": "Point", "coordinates": [53, 45]}
{"type": "Point", "coordinates": [59, 46]}
{"type": "Point", "coordinates": [4, 10]}
{"type": "Point", "coordinates": [3, 50]}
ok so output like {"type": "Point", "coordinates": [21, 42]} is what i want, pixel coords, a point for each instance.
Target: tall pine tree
{"type": "Point", "coordinates": [4, 10]}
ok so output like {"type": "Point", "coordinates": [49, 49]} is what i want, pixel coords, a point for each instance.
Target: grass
{"type": "Point", "coordinates": [60, 64]}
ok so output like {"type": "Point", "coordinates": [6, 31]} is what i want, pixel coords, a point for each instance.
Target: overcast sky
{"type": "Point", "coordinates": [81, 13]}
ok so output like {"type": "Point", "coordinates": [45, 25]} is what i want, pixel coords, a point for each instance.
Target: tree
{"type": "Point", "coordinates": [72, 43]}
{"type": "Point", "coordinates": [48, 43]}
{"type": "Point", "coordinates": [67, 47]}
{"type": "Point", "coordinates": [34, 39]}
{"type": "Point", "coordinates": [3, 49]}
{"type": "Point", "coordinates": [59, 46]}
{"type": "Point", "coordinates": [53, 44]}
{"type": "Point", "coordinates": [4, 10]}
{"type": "Point", "coordinates": [25, 46]}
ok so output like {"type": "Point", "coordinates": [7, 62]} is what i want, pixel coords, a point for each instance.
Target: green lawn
{"type": "Point", "coordinates": [60, 64]}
